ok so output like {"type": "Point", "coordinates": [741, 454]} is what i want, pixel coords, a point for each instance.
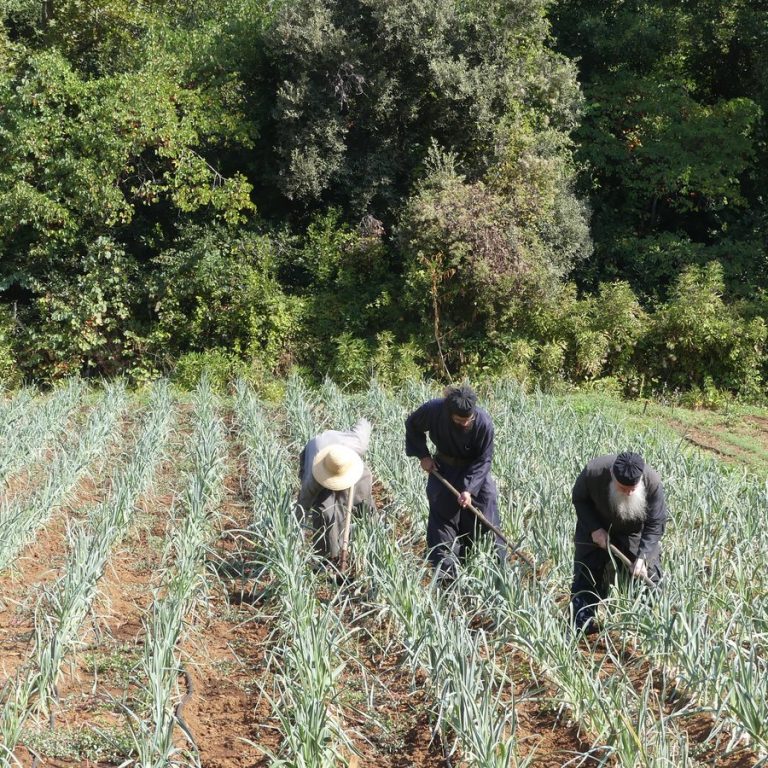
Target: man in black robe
{"type": "Point", "coordinates": [619, 499]}
{"type": "Point", "coordinates": [463, 437]}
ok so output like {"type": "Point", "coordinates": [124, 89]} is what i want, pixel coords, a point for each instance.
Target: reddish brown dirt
{"type": "Point", "coordinates": [749, 427]}
{"type": "Point", "coordinates": [86, 699]}
{"type": "Point", "coordinates": [703, 439]}
{"type": "Point", "coordinates": [227, 710]}
{"type": "Point", "coordinates": [39, 564]}
{"type": "Point", "coordinates": [22, 484]}
{"type": "Point", "coordinates": [227, 713]}
{"type": "Point", "coordinates": [707, 743]}
{"type": "Point", "coordinates": [541, 733]}
{"type": "Point", "coordinates": [226, 654]}
{"type": "Point", "coordinates": [397, 730]}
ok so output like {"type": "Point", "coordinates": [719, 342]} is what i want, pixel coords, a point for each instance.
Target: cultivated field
{"type": "Point", "coordinates": [159, 604]}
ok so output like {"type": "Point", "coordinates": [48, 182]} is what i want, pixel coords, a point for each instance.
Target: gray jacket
{"type": "Point", "coordinates": [357, 439]}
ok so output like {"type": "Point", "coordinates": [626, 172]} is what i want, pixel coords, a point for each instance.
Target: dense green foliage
{"type": "Point", "coordinates": [550, 190]}
{"type": "Point", "coordinates": [673, 137]}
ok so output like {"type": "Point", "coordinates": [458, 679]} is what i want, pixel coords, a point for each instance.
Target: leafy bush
{"type": "Point", "coordinates": [357, 360]}
{"type": "Point", "coordinates": [474, 263]}
{"type": "Point", "coordinates": [347, 286]}
{"type": "Point", "coordinates": [218, 290]}
{"type": "Point", "coordinates": [221, 366]}
{"type": "Point", "coordinates": [10, 376]}
{"type": "Point", "coordinates": [394, 364]}
{"type": "Point", "coordinates": [351, 362]}
{"type": "Point", "coordinates": [697, 340]}
{"type": "Point", "coordinates": [584, 338]}
{"type": "Point", "coordinates": [549, 362]}
{"type": "Point", "coordinates": [617, 315]}
{"type": "Point", "coordinates": [86, 322]}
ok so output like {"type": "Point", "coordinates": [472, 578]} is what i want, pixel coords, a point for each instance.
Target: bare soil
{"type": "Point", "coordinates": [387, 709]}
{"type": "Point", "coordinates": [749, 450]}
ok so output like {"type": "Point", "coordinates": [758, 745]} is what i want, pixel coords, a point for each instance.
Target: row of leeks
{"type": "Point", "coordinates": [21, 518]}
{"type": "Point", "coordinates": [307, 652]}
{"type": "Point", "coordinates": [181, 583]}
{"type": "Point", "coordinates": [30, 426]}
{"type": "Point", "coordinates": [62, 611]}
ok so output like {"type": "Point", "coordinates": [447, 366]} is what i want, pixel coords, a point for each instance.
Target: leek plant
{"type": "Point", "coordinates": [21, 518]}
{"type": "Point", "coordinates": [31, 426]}
{"type": "Point", "coordinates": [181, 583]}
{"type": "Point", "coordinates": [61, 613]}
{"type": "Point", "coordinates": [308, 658]}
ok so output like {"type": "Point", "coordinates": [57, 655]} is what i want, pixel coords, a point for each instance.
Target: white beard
{"type": "Point", "coordinates": [627, 508]}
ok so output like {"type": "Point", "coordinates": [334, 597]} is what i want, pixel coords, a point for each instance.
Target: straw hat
{"type": "Point", "coordinates": [337, 467]}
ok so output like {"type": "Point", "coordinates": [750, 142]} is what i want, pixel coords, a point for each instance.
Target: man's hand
{"type": "Point", "coordinates": [640, 569]}
{"type": "Point", "coordinates": [428, 464]}
{"type": "Point", "coordinates": [465, 499]}
{"type": "Point", "coordinates": [600, 538]}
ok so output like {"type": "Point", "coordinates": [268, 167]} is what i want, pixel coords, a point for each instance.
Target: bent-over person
{"type": "Point", "coordinates": [619, 499]}
{"type": "Point", "coordinates": [330, 465]}
{"type": "Point", "coordinates": [463, 437]}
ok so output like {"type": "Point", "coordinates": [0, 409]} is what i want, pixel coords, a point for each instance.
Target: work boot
{"type": "Point", "coordinates": [583, 615]}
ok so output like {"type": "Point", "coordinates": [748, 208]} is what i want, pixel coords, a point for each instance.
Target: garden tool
{"type": "Point", "coordinates": [486, 522]}
{"type": "Point", "coordinates": [345, 537]}
{"type": "Point", "coordinates": [624, 559]}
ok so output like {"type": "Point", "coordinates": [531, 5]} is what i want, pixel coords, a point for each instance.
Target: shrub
{"type": "Point", "coordinates": [596, 335]}
{"type": "Point", "coordinates": [473, 260]}
{"type": "Point", "coordinates": [10, 375]}
{"type": "Point", "coordinates": [696, 340]}
{"type": "Point", "coordinates": [219, 290]}
{"type": "Point", "coordinates": [351, 362]}
{"type": "Point", "coordinates": [220, 365]}
{"type": "Point", "coordinates": [345, 280]}
{"type": "Point", "coordinates": [86, 322]}
{"type": "Point", "coordinates": [394, 364]}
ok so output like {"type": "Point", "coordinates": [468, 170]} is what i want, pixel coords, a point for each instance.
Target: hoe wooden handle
{"type": "Point", "coordinates": [484, 520]}
{"type": "Point", "coordinates": [345, 538]}
{"type": "Point", "coordinates": [624, 559]}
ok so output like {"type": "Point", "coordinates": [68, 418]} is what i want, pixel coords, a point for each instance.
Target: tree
{"type": "Point", "coordinates": [479, 256]}
{"type": "Point", "coordinates": [355, 91]}
{"type": "Point", "coordinates": [80, 160]}
{"type": "Point", "coordinates": [671, 137]}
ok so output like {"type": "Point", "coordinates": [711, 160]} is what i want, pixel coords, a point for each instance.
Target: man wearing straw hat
{"type": "Point", "coordinates": [330, 467]}
{"type": "Point", "coordinates": [463, 437]}
{"type": "Point", "coordinates": [621, 511]}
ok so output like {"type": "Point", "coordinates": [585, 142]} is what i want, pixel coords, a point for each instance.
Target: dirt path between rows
{"type": "Point", "coordinates": [94, 685]}
{"type": "Point", "coordinates": [226, 653]}
{"type": "Point", "coordinates": [41, 562]}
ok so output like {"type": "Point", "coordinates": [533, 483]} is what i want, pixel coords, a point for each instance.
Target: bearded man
{"type": "Point", "coordinates": [463, 436]}
{"type": "Point", "coordinates": [619, 500]}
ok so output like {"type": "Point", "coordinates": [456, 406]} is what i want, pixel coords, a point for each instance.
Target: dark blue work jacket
{"type": "Point", "coordinates": [463, 456]}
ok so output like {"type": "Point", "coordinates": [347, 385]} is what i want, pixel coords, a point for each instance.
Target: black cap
{"type": "Point", "coordinates": [461, 400]}
{"type": "Point", "coordinates": [628, 468]}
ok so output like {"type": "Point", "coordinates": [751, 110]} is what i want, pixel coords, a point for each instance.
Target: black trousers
{"type": "Point", "coordinates": [451, 530]}
{"type": "Point", "coordinates": [590, 564]}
